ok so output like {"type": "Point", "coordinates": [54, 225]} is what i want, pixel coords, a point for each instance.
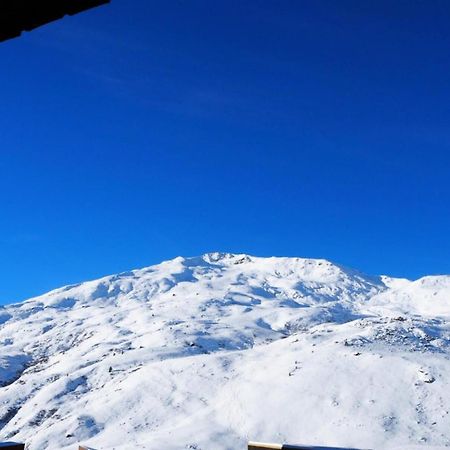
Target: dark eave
{"type": "Point", "coordinates": [25, 15]}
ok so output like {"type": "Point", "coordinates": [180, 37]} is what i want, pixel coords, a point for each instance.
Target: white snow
{"type": "Point", "coordinates": [209, 352]}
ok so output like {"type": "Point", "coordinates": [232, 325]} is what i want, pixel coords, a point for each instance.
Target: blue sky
{"type": "Point", "coordinates": [140, 131]}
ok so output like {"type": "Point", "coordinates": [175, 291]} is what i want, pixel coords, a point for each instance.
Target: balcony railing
{"type": "Point", "coordinates": [265, 446]}
{"type": "Point", "coordinates": [251, 446]}
{"type": "Point", "coordinates": [11, 446]}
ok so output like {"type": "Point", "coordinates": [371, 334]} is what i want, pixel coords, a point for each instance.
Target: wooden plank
{"type": "Point", "coordinates": [82, 447]}
{"type": "Point", "coordinates": [11, 446]}
{"type": "Point", "coordinates": [262, 446]}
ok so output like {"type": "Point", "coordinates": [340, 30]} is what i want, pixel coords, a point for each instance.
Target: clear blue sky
{"type": "Point", "coordinates": [142, 130]}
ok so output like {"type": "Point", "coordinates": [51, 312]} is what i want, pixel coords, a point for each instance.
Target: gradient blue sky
{"type": "Point", "coordinates": [142, 130]}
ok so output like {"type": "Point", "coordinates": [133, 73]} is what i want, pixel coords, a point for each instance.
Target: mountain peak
{"type": "Point", "coordinates": [172, 348]}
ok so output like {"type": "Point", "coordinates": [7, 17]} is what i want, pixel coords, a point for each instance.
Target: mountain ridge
{"type": "Point", "coordinates": [186, 335]}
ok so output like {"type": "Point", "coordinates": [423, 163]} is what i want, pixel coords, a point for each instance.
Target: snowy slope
{"type": "Point", "coordinates": [208, 352]}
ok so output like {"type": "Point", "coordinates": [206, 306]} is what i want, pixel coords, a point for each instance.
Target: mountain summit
{"type": "Point", "coordinates": [207, 352]}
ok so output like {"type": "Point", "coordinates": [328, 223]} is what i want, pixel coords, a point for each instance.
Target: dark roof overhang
{"type": "Point", "coordinates": [25, 15]}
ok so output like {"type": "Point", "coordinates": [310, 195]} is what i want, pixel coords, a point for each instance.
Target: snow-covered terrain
{"type": "Point", "coordinates": [208, 352]}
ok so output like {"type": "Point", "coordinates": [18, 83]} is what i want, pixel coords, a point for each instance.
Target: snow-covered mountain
{"type": "Point", "coordinates": [207, 352]}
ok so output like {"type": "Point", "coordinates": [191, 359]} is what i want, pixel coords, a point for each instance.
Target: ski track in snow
{"type": "Point", "coordinates": [209, 352]}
